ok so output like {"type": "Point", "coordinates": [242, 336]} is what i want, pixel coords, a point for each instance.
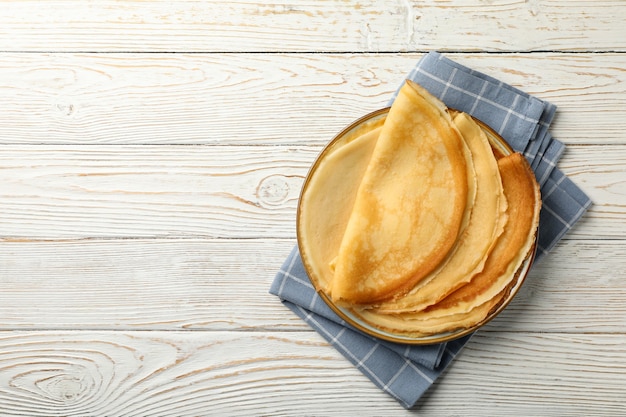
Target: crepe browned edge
{"type": "Point", "coordinates": [394, 239]}
{"type": "Point", "coordinates": [328, 197]}
{"type": "Point", "coordinates": [512, 249]}
{"type": "Point", "coordinates": [522, 186]}
{"type": "Point", "coordinates": [435, 325]}
{"type": "Point", "coordinates": [487, 218]}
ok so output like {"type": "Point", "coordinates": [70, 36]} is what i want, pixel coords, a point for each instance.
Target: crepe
{"type": "Point", "coordinates": [427, 326]}
{"type": "Point", "coordinates": [323, 215]}
{"type": "Point", "coordinates": [410, 204]}
{"type": "Point", "coordinates": [487, 219]}
{"type": "Point", "coordinates": [512, 247]}
{"type": "Point", "coordinates": [470, 304]}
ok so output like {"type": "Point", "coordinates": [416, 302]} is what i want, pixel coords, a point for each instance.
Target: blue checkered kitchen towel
{"type": "Point", "coordinates": [405, 372]}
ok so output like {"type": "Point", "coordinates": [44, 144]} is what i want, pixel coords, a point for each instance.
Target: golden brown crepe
{"type": "Point", "coordinates": [410, 204]}
{"type": "Point", "coordinates": [487, 219]}
{"type": "Point", "coordinates": [515, 243]}
{"type": "Point", "coordinates": [415, 221]}
{"type": "Point", "coordinates": [413, 327]}
{"type": "Point", "coordinates": [323, 215]}
{"type": "Point", "coordinates": [471, 303]}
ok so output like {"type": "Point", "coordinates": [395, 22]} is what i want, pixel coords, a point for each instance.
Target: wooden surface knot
{"type": "Point", "coordinates": [273, 190]}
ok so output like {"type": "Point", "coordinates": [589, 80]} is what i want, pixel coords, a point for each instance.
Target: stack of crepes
{"type": "Point", "coordinates": [417, 223]}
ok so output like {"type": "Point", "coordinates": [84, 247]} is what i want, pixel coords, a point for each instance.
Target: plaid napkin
{"type": "Point", "coordinates": [405, 372]}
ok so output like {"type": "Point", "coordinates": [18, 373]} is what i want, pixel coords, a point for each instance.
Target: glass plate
{"type": "Point", "coordinates": [354, 130]}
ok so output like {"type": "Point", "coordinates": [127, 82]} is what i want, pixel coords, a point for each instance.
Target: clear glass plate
{"type": "Point", "coordinates": [354, 130]}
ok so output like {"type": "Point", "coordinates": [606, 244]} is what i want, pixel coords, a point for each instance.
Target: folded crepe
{"type": "Point", "coordinates": [487, 218]}
{"type": "Point", "coordinates": [410, 206]}
{"type": "Point", "coordinates": [323, 215]}
{"type": "Point", "coordinates": [471, 304]}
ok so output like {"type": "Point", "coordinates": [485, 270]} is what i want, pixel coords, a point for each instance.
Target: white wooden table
{"type": "Point", "coordinates": [151, 156]}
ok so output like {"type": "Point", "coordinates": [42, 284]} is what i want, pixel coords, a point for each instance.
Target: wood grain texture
{"type": "Point", "coordinates": [238, 98]}
{"type": "Point", "coordinates": [198, 284]}
{"type": "Point", "coordinates": [537, 375]}
{"type": "Point", "coordinates": [130, 373]}
{"type": "Point", "coordinates": [151, 157]}
{"type": "Point", "coordinates": [177, 191]}
{"type": "Point", "coordinates": [148, 284]}
{"type": "Point", "coordinates": [173, 191]}
{"type": "Point", "coordinates": [331, 25]}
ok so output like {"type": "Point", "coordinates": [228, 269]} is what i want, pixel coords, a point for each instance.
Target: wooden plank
{"type": "Point", "coordinates": [150, 166]}
{"type": "Point", "coordinates": [237, 98]}
{"type": "Point", "coordinates": [320, 26]}
{"type": "Point", "coordinates": [571, 291]}
{"type": "Point", "coordinates": [603, 179]}
{"type": "Point", "coordinates": [149, 191]}
{"type": "Point", "coordinates": [143, 284]}
{"type": "Point", "coordinates": [114, 191]}
{"type": "Point", "coordinates": [538, 374]}
{"type": "Point", "coordinates": [192, 284]}
{"type": "Point", "coordinates": [240, 373]}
